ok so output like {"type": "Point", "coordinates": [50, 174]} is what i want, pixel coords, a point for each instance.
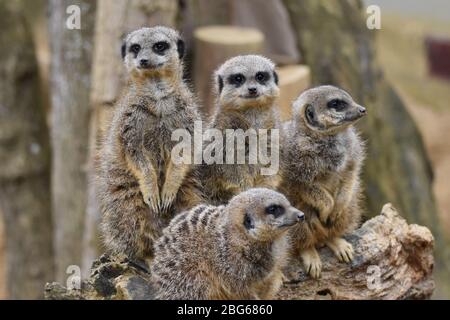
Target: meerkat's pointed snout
{"type": "Point", "coordinates": [299, 214]}
{"type": "Point", "coordinates": [357, 113]}
{"type": "Point", "coordinates": [292, 217]}
{"type": "Point", "coordinates": [362, 110]}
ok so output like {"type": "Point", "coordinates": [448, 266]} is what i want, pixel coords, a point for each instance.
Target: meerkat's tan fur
{"type": "Point", "coordinates": [140, 188]}
{"type": "Point", "coordinates": [322, 156]}
{"type": "Point", "coordinates": [247, 89]}
{"type": "Point", "coordinates": [227, 252]}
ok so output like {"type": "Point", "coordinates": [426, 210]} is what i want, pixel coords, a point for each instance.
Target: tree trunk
{"type": "Point", "coordinates": [393, 260]}
{"type": "Point", "coordinates": [70, 84]}
{"type": "Point", "coordinates": [339, 48]}
{"type": "Point", "coordinates": [115, 18]}
{"type": "Point", "coordinates": [25, 160]}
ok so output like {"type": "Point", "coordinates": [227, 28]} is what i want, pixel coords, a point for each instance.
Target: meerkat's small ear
{"type": "Point", "coordinates": [124, 50]}
{"type": "Point", "coordinates": [180, 48]}
{"type": "Point", "coordinates": [310, 114]}
{"type": "Point", "coordinates": [275, 77]}
{"type": "Point", "coordinates": [220, 83]}
{"type": "Point", "coordinates": [248, 222]}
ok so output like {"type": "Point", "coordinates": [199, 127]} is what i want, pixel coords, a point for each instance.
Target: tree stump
{"type": "Point", "coordinates": [213, 46]}
{"type": "Point", "coordinates": [393, 260]}
{"type": "Point", "coordinates": [293, 80]}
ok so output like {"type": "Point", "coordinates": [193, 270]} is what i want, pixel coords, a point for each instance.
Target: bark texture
{"type": "Point", "coordinates": [25, 160]}
{"type": "Point", "coordinates": [393, 260]}
{"type": "Point", "coordinates": [71, 58]}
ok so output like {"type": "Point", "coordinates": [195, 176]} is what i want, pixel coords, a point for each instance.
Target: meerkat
{"type": "Point", "coordinates": [235, 251]}
{"type": "Point", "coordinates": [322, 155]}
{"type": "Point", "coordinates": [140, 187]}
{"type": "Point", "coordinates": [246, 89]}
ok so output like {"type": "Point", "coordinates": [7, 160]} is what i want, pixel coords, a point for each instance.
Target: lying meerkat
{"type": "Point", "coordinates": [227, 252]}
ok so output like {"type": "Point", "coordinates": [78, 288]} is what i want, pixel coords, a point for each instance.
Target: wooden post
{"type": "Point", "coordinates": [293, 80]}
{"type": "Point", "coordinates": [213, 46]}
{"type": "Point", "coordinates": [71, 58]}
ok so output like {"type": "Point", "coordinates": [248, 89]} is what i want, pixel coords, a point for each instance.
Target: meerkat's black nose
{"type": "Point", "coordinates": [144, 63]}
{"type": "Point", "coordinates": [362, 110]}
{"type": "Point", "coordinates": [252, 91]}
{"type": "Point", "coordinates": [299, 214]}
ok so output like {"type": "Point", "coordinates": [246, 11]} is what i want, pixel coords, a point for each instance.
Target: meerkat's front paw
{"type": "Point", "coordinates": [342, 249]}
{"type": "Point", "coordinates": [326, 209]}
{"type": "Point", "coordinates": [331, 220]}
{"type": "Point", "coordinates": [312, 262]}
{"type": "Point", "coordinates": [167, 198]}
{"type": "Point", "coordinates": [151, 199]}
{"type": "Point", "coordinates": [324, 215]}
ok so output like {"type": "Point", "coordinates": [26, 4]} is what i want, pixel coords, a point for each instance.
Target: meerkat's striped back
{"type": "Point", "coordinates": [185, 247]}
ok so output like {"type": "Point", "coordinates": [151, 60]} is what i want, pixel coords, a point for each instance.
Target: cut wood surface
{"type": "Point", "coordinates": [293, 80]}
{"type": "Point", "coordinates": [393, 260]}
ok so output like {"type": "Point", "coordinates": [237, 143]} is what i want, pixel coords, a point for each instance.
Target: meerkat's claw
{"type": "Point", "coordinates": [153, 201]}
{"type": "Point", "coordinates": [342, 249]}
{"type": "Point", "coordinates": [167, 200]}
{"type": "Point", "coordinates": [312, 262]}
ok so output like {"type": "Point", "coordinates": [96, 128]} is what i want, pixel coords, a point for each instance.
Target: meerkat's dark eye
{"type": "Point", "coordinates": [275, 210]}
{"type": "Point", "coordinates": [236, 79]}
{"type": "Point", "coordinates": [160, 47]}
{"type": "Point", "coordinates": [135, 48]}
{"type": "Point", "coordinates": [262, 77]}
{"type": "Point", "coordinates": [337, 104]}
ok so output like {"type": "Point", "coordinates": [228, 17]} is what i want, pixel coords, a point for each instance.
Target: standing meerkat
{"type": "Point", "coordinates": [140, 187]}
{"type": "Point", "coordinates": [247, 89]}
{"type": "Point", "coordinates": [322, 156]}
{"type": "Point", "coordinates": [227, 252]}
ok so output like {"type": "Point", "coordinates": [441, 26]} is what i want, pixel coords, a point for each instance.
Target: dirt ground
{"type": "Point", "coordinates": [401, 51]}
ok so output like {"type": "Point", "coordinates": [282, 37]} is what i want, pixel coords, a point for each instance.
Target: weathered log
{"type": "Point", "coordinates": [393, 260]}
